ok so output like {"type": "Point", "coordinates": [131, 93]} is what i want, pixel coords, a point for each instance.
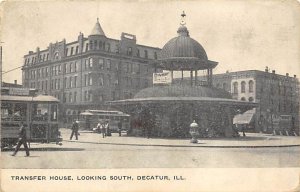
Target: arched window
{"type": "Point", "coordinates": [251, 99]}
{"type": "Point", "coordinates": [243, 87]}
{"type": "Point", "coordinates": [235, 88]}
{"type": "Point", "coordinates": [251, 83]}
{"type": "Point", "coordinates": [243, 99]}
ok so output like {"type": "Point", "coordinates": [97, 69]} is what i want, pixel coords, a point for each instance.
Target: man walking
{"type": "Point", "coordinates": [75, 128]}
{"type": "Point", "coordinates": [22, 140]}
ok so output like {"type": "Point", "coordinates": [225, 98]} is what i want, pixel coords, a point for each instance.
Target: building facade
{"type": "Point", "coordinates": [86, 73]}
{"type": "Point", "coordinates": [277, 95]}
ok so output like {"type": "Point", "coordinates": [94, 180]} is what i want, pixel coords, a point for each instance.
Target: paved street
{"type": "Point", "coordinates": [92, 151]}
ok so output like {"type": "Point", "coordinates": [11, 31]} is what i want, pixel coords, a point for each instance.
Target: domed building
{"type": "Point", "coordinates": [168, 110]}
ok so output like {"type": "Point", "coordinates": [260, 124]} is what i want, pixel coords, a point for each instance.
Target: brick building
{"type": "Point", "coordinates": [277, 95]}
{"type": "Point", "coordinates": [89, 71]}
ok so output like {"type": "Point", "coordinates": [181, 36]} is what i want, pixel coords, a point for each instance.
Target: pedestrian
{"type": "Point", "coordinates": [22, 140]}
{"type": "Point", "coordinates": [98, 130]}
{"type": "Point", "coordinates": [108, 133]}
{"type": "Point", "coordinates": [75, 128]}
{"type": "Point", "coordinates": [120, 128]}
{"type": "Point", "coordinates": [103, 130]}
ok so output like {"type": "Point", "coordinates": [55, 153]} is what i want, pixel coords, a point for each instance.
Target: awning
{"type": "Point", "coordinates": [86, 113]}
{"type": "Point", "coordinates": [244, 118]}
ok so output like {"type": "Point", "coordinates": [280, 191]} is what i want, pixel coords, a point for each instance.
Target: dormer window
{"type": "Point", "coordinates": [146, 54]}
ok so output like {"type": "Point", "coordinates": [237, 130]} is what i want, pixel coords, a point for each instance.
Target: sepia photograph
{"type": "Point", "coordinates": [149, 94]}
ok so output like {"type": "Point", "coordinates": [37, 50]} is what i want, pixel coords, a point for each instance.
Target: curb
{"type": "Point", "coordinates": [187, 146]}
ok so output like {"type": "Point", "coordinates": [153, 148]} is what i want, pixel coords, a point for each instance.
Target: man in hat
{"type": "Point", "coordinates": [75, 128]}
{"type": "Point", "coordinates": [22, 140]}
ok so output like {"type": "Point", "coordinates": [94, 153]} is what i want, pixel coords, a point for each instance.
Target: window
{"type": "Point", "coordinates": [86, 47]}
{"type": "Point", "coordinates": [91, 45]}
{"type": "Point", "coordinates": [46, 85]}
{"type": "Point", "coordinates": [155, 55]}
{"type": "Point", "coordinates": [243, 87]}
{"type": "Point", "coordinates": [250, 99]}
{"type": "Point", "coordinates": [129, 51]}
{"type": "Point", "coordinates": [89, 95]}
{"type": "Point", "coordinates": [70, 68]}
{"type": "Point", "coordinates": [251, 86]}
{"type": "Point", "coordinates": [218, 85]}
{"type": "Point", "coordinates": [75, 66]}
{"type": "Point", "coordinates": [47, 57]}
{"type": "Point", "coordinates": [235, 88]}
{"type": "Point", "coordinates": [108, 80]}
{"type": "Point", "coordinates": [101, 63]}
{"type": "Point", "coordinates": [64, 97]}
{"type": "Point", "coordinates": [56, 55]}
{"type": "Point", "coordinates": [59, 68]}
{"type": "Point", "coordinates": [146, 54]}
{"type": "Point", "coordinates": [138, 53]}
{"type": "Point", "coordinates": [85, 95]}
{"type": "Point", "coordinates": [72, 50]}
{"type": "Point", "coordinates": [96, 44]}
{"type": "Point", "coordinates": [243, 99]}
{"type": "Point", "coordinates": [58, 84]}
{"type": "Point", "coordinates": [85, 79]}
{"type": "Point", "coordinates": [108, 47]}
{"type": "Point", "coordinates": [101, 80]}
{"type": "Point", "coordinates": [90, 79]}
{"type": "Point", "coordinates": [75, 96]}
{"type": "Point", "coordinates": [65, 82]}
{"type": "Point", "coordinates": [101, 98]}
{"type": "Point", "coordinates": [77, 48]}
{"type": "Point", "coordinates": [91, 62]}
{"type": "Point", "coordinates": [71, 82]}
{"type": "Point", "coordinates": [66, 51]}
{"type": "Point", "coordinates": [108, 64]}
{"type": "Point", "coordinates": [225, 86]}
{"type": "Point", "coordinates": [70, 97]}
{"type": "Point", "coordinates": [75, 81]}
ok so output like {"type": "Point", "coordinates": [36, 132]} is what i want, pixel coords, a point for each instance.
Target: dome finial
{"type": "Point", "coordinates": [182, 22]}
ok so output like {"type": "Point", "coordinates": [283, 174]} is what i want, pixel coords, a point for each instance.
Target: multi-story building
{"type": "Point", "coordinates": [91, 70]}
{"type": "Point", "coordinates": [277, 95]}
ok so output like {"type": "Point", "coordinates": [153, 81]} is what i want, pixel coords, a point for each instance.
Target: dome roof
{"type": "Point", "coordinates": [183, 46]}
{"type": "Point", "coordinates": [182, 91]}
{"type": "Point", "coordinates": [184, 53]}
{"type": "Point", "coordinates": [97, 30]}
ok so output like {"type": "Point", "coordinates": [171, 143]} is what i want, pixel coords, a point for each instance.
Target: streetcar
{"type": "Point", "coordinates": [92, 117]}
{"type": "Point", "coordinates": [39, 113]}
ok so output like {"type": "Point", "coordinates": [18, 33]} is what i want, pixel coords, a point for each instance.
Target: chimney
{"type": "Point", "coordinates": [287, 74]}
{"type": "Point", "coordinates": [15, 82]}
{"type": "Point", "coordinates": [273, 71]}
{"type": "Point", "coordinates": [267, 69]}
{"type": "Point", "coordinates": [295, 76]}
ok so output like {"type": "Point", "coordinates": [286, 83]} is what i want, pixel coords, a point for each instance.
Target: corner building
{"type": "Point", "coordinates": [85, 73]}
{"type": "Point", "coordinates": [277, 95]}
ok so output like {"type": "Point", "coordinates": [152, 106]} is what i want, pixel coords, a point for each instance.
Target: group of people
{"type": "Point", "coordinates": [103, 127]}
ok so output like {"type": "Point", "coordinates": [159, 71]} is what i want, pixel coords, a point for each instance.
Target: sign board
{"type": "Point", "coordinates": [162, 78]}
{"type": "Point", "coordinates": [18, 91]}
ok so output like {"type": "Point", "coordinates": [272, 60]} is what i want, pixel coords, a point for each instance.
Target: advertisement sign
{"type": "Point", "coordinates": [18, 91]}
{"type": "Point", "coordinates": [162, 78]}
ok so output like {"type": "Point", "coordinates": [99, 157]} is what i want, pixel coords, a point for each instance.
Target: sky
{"type": "Point", "coordinates": [239, 35]}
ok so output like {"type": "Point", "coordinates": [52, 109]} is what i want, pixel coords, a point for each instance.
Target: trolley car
{"type": "Point", "coordinates": [93, 117]}
{"type": "Point", "coordinates": [39, 113]}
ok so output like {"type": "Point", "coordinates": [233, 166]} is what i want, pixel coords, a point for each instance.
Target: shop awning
{"type": "Point", "coordinates": [244, 118]}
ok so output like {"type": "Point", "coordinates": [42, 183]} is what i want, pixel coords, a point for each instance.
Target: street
{"type": "Point", "coordinates": [90, 151]}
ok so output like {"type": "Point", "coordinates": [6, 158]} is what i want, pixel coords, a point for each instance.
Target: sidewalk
{"type": "Point", "coordinates": [252, 140]}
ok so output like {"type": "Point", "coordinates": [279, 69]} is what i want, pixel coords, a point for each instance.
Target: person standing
{"type": "Point", "coordinates": [22, 140]}
{"type": "Point", "coordinates": [75, 128]}
{"type": "Point", "coordinates": [103, 130]}
{"type": "Point", "coordinates": [120, 128]}
{"type": "Point", "coordinates": [107, 129]}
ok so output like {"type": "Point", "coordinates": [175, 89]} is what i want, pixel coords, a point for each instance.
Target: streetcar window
{"type": "Point", "coordinates": [40, 112]}
{"type": "Point", "coordinates": [13, 111]}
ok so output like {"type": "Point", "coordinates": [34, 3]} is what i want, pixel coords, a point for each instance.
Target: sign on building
{"type": "Point", "coordinates": [162, 78]}
{"type": "Point", "coordinates": [18, 91]}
